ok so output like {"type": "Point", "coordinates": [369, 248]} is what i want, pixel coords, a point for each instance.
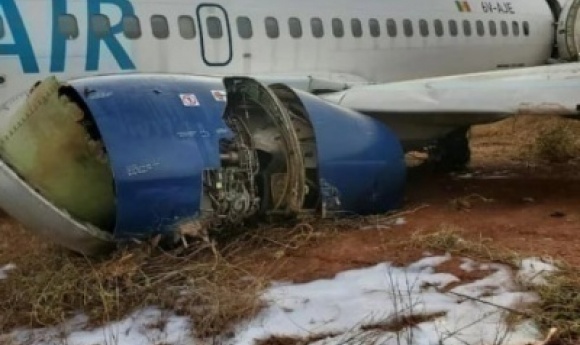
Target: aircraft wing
{"type": "Point", "coordinates": [426, 109]}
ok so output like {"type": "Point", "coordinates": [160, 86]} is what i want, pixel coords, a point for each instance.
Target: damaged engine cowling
{"type": "Point", "coordinates": [99, 160]}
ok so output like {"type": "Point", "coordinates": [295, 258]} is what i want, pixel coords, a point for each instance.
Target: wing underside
{"type": "Point", "coordinates": [425, 109]}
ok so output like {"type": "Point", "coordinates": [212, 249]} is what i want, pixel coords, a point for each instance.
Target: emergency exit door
{"type": "Point", "coordinates": [215, 34]}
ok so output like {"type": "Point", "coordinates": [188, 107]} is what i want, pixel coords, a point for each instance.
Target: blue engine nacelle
{"type": "Point", "coordinates": [180, 155]}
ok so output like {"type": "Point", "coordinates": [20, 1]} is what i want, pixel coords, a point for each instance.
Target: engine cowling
{"type": "Point", "coordinates": [99, 160]}
{"type": "Point", "coordinates": [568, 31]}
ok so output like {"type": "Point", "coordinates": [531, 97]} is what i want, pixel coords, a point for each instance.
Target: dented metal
{"type": "Point", "coordinates": [96, 161]}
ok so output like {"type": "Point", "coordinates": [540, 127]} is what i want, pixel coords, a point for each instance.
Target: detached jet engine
{"type": "Point", "coordinates": [96, 161]}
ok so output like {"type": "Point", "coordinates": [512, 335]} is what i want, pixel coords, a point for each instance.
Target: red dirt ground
{"type": "Point", "coordinates": [548, 226]}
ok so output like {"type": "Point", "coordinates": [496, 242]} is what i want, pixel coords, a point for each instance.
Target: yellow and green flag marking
{"type": "Point", "coordinates": [463, 6]}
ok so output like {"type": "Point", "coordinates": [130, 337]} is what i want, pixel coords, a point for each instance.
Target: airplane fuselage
{"type": "Point", "coordinates": [369, 41]}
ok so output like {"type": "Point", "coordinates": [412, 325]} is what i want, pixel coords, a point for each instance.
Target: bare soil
{"type": "Point", "coordinates": [516, 202]}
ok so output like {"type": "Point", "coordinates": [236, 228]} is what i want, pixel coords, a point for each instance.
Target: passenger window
{"type": "Point", "coordinates": [67, 26]}
{"type": "Point", "coordinates": [100, 25]}
{"type": "Point", "coordinates": [408, 27]}
{"type": "Point", "coordinates": [453, 31]}
{"type": "Point", "coordinates": [516, 28]}
{"type": "Point", "coordinates": [131, 27]}
{"type": "Point", "coordinates": [272, 29]}
{"type": "Point", "coordinates": [2, 32]}
{"type": "Point", "coordinates": [467, 28]}
{"type": "Point", "coordinates": [356, 27]}
{"type": "Point", "coordinates": [295, 27]}
{"type": "Point", "coordinates": [317, 27]}
{"type": "Point", "coordinates": [374, 27]}
{"type": "Point", "coordinates": [504, 28]}
{"type": "Point", "coordinates": [438, 24]}
{"type": "Point", "coordinates": [480, 28]}
{"type": "Point", "coordinates": [337, 27]}
{"type": "Point", "coordinates": [391, 28]}
{"type": "Point", "coordinates": [159, 26]}
{"type": "Point", "coordinates": [214, 27]}
{"type": "Point", "coordinates": [492, 28]}
{"type": "Point", "coordinates": [423, 28]}
{"type": "Point", "coordinates": [526, 27]}
{"type": "Point", "coordinates": [244, 27]}
{"type": "Point", "coordinates": [186, 27]}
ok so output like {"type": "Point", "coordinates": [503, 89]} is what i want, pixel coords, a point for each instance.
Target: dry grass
{"type": "Point", "coordinates": [521, 129]}
{"type": "Point", "coordinates": [527, 138]}
{"type": "Point", "coordinates": [283, 340]}
{"type": "Point", "coordinates": [558, 144]}
{"type": "Point", "coordinates": [559, 304]}
{"type": "Point", "coordinates": [50, 288]}
{"type": "Point", "coordinates": [206, 283]}
{"type": "Point", "coordinates": [403, 322]}
{"type": "Point", "coordinates": [449, 239]}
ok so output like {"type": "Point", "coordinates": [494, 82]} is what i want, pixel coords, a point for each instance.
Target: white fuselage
{"type": "Point", "coordinates": [307, 40]}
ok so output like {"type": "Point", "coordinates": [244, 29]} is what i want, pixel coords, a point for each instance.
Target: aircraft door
{"type": "Point", "coordinates": [568, 34]}
{"type": "Point", "coordinates": [215, 34]}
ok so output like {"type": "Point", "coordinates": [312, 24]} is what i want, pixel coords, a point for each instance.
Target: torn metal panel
{"type": "Point", "coordinates": [46, 144]}
{"type": "Point", "coordinates": [161, 134]}
{"type": "Point", "coordinates": [143, 155]}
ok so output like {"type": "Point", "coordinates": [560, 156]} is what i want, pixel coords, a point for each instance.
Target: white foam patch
{"type": "Point", "coordinates": [497, 283]}
{"type": "Point", "coordinates": [357, 306]}
{"type": "Point", "coordinates": [400, 221]}
{"type": "Point", "coordinates": [535, 271]}
{"type": "Point", "coordinates": [429, 262]}
{"type": "Point", "coordinates": [145, 327]}
{"type": "Point", "coordinates": [349, 305]}
{"type": "Point", "coordinates": [4, 270]}
{"type": "Point", "coordinates": [468, 265]}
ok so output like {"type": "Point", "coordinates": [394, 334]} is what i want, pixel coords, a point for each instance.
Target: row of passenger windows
{"type": "Point", "coordinates": [131, 26]}
{"type": "Point", "coordinates": [392, 28]}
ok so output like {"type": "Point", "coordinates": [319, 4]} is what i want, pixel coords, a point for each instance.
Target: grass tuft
{"type": "Point", "coordinates": [449, 238]}
{"type": "Point", "coordinates": [556, 144]}
{"type": "Point", "coordinates": [560, 304]}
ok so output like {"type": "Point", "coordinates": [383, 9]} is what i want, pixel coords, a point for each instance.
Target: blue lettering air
{"type": "Point", "coordinates": [22, 47]}
{"type": "Point", "coordinates": [94, 42]}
